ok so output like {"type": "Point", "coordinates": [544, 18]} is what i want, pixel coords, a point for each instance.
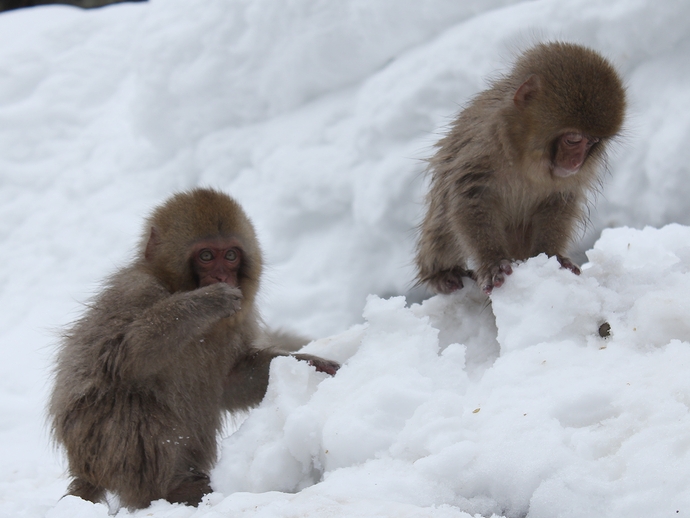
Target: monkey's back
{"type": "Point", "coordinates": [476, 168]}
{"type": "Point", "coordinates": [461, 172]}
{"type": "Point", "coordinates": [153, 425]}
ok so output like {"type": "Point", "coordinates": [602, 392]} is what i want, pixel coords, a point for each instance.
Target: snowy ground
{"type": "Point", "coordinates": [317, 115]}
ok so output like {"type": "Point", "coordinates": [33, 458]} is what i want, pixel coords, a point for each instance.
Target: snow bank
{"type": "Point", "coordinates": [560, 422]}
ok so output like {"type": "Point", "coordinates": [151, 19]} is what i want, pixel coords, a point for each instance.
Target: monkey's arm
{"type": "Point", "coordinates": [554, 222]}
{"type": "Point", "coordinates": [281, 340]}
{"type": "Point", "coordinates": [440, 263]}
{"type": "Point", "coordinates": [160, 332]}
{"type": "Point", "coordinates": [246, 384]}
{"type": "Point", "coordinates": [478, 224]}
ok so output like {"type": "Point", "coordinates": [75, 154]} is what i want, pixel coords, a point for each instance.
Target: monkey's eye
{"type": "Point", "coordinates": [572, 139]}
{"type": "Point", "coordinates": [206, 255]}
{"type": "Point", "coordinates": [231, 255]}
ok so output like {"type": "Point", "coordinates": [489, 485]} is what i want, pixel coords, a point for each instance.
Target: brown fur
{"type": "Point", "coordinates": [144, 377]}
{"type": "Point", "coordinates": [494, 198]}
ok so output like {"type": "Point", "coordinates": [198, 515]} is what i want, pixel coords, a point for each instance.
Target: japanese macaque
{"type": "Point", "coordinates": [173, 341]}
{"type": "Point", "coordinates": [512, 177]}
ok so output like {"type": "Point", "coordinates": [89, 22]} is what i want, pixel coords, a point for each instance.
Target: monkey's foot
{"type": "Point", "coordinates": [567, 263]}
{"type": "Point", "coordinates": [320, 364]}
{"type": "Point", "coordinates": [86, 490]}
{"type": "Point", "coordinates": [494, 276]}
{"type": "Point", "coordinates": [191, 489]}
{"type": "Point", "coordinates": [447, 281]}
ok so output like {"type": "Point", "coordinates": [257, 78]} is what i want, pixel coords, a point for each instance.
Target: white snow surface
{"type": "Point", "coordinates": [317, 115]}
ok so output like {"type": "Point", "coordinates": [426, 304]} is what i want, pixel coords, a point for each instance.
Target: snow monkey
{"type": "Point", "coordinates": [511, 178]}
{"type": "Point", "coordinates": [144, 377]}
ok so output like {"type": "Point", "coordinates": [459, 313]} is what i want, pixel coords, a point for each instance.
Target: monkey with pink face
{"type": "Point", "coordinates": [511, 178]}
{"type": "Point", "coordinates": [172, 342]}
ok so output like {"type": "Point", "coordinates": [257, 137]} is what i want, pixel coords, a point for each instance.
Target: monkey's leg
{"type": "Point", "coordinates": [191, 490]}
{"type": "Point", "coordinates": [86, 490]}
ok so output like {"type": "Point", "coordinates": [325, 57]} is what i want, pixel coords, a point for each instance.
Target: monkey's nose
{"type": "Point", "coordinates": [218, 275]}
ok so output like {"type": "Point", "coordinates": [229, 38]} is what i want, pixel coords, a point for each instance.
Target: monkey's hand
{"type": "Point", "coordinates": [493, 275]}
{"type": "Point", "coordinates": [447, 281]}
{"type": "Point", "coordinates": [567, 263]}
{"type": "Point", "coordinates": [218, 298]}
{"type": "Point", "coordinates": [320, 364]}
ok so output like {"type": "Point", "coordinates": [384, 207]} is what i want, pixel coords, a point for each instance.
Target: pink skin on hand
{"type": "Point", "coordinates": [496, 276]}
{"type": "Point", "coordinates": [498, 273]}
{"type": "Point", "coordinates": [567, 263]}
{"type": "Point", "coordinates": [326, 366]}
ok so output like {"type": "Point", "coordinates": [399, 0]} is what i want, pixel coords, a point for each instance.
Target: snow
{"type": "Point", "coordinates": [560, 422]}
{"type": "Point", "coordinates": [317, 116]}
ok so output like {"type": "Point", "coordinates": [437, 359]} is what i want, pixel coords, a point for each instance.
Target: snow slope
{"type": "Point", "coordinates": [317, 116]}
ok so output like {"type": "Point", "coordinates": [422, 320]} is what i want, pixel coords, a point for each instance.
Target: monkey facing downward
{"type": "Point", "coordinates": [511, 179]}
{"type": "Point", "coordinates": [144, 377]}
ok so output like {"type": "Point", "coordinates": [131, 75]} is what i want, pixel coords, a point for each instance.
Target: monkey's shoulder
{"type": "Point", "coordinates": [132, 288]}
{"type": "Point", "coordinates": [123, 297]}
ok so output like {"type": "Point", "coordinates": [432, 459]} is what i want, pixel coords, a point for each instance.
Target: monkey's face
{"type": "Point", "coordinates": [570, 150]}
{"type": "Point", "coordinates": [216, 260]}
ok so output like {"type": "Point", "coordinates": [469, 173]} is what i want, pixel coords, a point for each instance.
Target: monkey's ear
{"type": "Point", "coordinates": [527, 91]}
{"type": "Point", "coordinates": [152, 244]}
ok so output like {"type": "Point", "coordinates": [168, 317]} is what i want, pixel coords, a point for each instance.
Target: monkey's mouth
{"type": "Point", "coordinates": [562, 172]}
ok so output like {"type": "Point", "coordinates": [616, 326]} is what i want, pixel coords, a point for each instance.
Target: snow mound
{"type": "Point", "coordinates": [549, 418]}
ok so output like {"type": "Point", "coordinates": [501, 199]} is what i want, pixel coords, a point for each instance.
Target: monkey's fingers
{"type": "Point", "coordinates": [232, 306]}
{"type": "Point", "coordinates": [567, 263]}
{"type": "Point", "coordinates": [446, 281]}
{"type": "Point", "coordinates": [230, 298]}
{"type": "Point", "coordinates": [320, 364]}
{"type": "Point", "coordinates": [326, 366]}
{"type": "Point", "coordinates": [496, 276]}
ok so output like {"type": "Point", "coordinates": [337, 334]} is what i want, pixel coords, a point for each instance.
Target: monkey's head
{"type": "Point", "coordinates": [570, 102]}
{"type": "Point", "coordinates": [201, 237]}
